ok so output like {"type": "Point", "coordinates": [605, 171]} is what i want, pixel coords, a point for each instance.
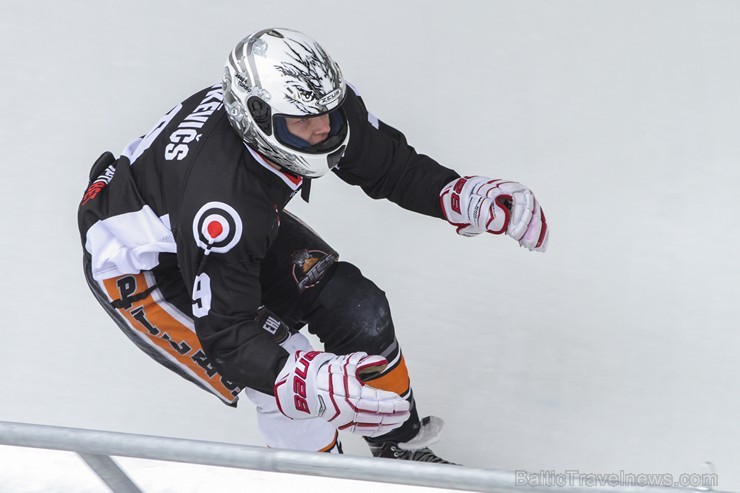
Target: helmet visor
{"type": "Point", "coordinates": [337, 131]}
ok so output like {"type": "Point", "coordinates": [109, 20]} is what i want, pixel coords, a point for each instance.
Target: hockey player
{"type": "Point", "coordinates": [189, 248]}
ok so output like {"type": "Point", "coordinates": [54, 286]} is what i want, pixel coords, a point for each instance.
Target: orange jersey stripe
{"type": "Point", "coordinates": [396, 380]}
{"type": "Point", "coordinates": [168, 334]}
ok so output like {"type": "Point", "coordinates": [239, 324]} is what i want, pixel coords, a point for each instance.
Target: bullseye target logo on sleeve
{"type": "Point", "coordinates": [217, 227]}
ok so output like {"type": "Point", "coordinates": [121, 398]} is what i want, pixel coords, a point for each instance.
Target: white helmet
{"type": "Point", "coordinates": [278, 73]}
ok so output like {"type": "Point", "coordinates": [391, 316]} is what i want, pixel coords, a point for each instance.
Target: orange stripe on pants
{"type": "Point", "coordinates": [333, 444]}
{"type": "Point", "coordinates": [396, 380]}
{"type": "Point", "coordinates": [169, 335]}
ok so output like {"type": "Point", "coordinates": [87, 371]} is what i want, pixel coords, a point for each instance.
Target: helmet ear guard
{"type": "Point", "coordinates": [261, 114]}
{"type": "Point", "coordinates": [278, 73]}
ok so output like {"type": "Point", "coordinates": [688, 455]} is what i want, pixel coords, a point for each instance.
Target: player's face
{"type": "Point", "coordinates": [313, 130]}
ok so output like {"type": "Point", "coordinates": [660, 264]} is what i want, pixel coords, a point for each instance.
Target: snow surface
{"type": "Point", "coordinates": [615, 350]}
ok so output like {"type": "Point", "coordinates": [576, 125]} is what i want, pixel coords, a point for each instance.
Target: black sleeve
{"type": "Point", "coordinates": [238, 347]}
{"type": "Point", "coordinates": [379, 160]}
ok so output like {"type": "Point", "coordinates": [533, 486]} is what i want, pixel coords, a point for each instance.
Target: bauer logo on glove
{"type": "Point", "coordinates": [475, 204]}
{"type": "Point", "coordinates": [317, 384]}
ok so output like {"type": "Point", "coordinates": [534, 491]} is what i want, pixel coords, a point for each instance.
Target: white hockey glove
{"type": "Point", "coordinates": [476, 204]}
{"type": "Point", "coordinates": [314, 383]}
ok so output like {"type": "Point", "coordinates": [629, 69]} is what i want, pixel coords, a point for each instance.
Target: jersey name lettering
{"type": "Point", "coordinates": [178, 147]}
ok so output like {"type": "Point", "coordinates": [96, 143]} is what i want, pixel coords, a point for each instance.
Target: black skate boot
{"type": "Point", "coordinates": [416, 449]}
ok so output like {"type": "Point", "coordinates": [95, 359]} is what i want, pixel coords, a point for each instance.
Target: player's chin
{"type": "Point", "coordinates": [318, 139]}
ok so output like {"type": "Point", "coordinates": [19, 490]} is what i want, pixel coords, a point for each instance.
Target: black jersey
{"type": "Point", "coordinates": [191, 188]}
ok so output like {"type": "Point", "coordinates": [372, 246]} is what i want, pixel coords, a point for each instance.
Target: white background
{"type": "Point", "coordinates": [615, 350]}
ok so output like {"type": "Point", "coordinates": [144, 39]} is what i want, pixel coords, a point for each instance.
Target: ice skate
{"type": "Point", "coordinates": [416, 449]}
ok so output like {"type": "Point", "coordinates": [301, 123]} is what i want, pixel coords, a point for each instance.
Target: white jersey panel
{"type": "Point", "coordinates": [128, 243]}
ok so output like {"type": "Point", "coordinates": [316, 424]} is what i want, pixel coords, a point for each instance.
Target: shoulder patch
{"type": "Point", "coordinates": [217, 227]}
{"type": "Point", "coordinates": [98, 185]}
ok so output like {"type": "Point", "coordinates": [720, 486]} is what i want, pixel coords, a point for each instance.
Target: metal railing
{"type": "Point", "coordinates": [96, 447]}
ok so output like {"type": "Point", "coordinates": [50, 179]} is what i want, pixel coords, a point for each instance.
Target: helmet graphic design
{"type": "Point", "coordinates": [278, 73]}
